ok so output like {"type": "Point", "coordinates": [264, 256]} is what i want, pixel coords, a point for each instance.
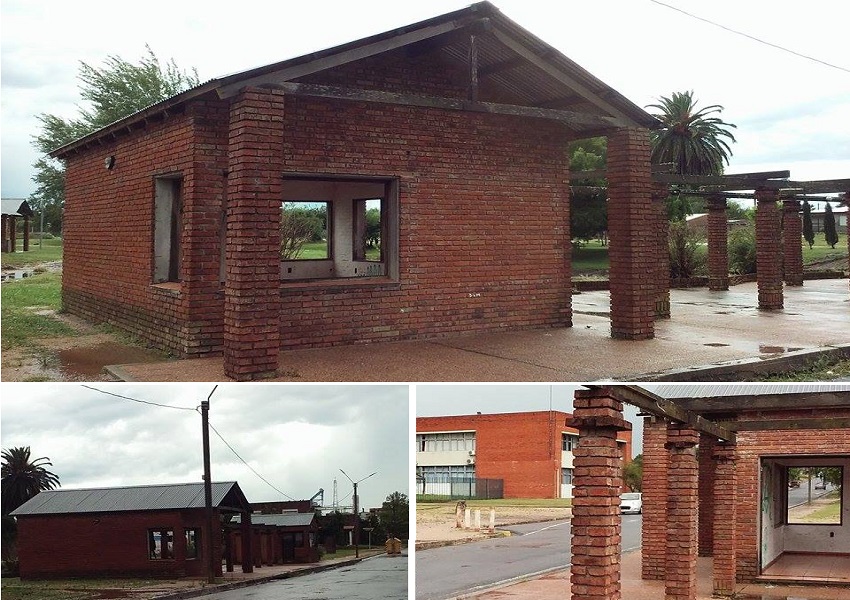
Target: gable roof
{"type": "Point", "coordinates": [721, 390]}
{"type": "Point", "coordinates": [131, 498]}
{"type": "Point", "coordinates": [16, 206]}
{"type": "Point", "coordinates": [511, 59]}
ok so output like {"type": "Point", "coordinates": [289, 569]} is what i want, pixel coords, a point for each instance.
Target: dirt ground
{"type": "Point", "coordinates": [436, 522]}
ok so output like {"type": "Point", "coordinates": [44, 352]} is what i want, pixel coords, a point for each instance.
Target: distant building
{"type": "Point", "coordinates": [819, 213]}
{"type": "Point", "coordinates": [532, 452]}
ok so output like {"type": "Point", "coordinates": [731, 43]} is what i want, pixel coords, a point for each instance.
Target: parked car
{"type": "Point", "coordinates": [820, 485]}
{"type": "Point", "coordinates": [793, 483]}
{"type": "Point", "coordinates": [631, 502]}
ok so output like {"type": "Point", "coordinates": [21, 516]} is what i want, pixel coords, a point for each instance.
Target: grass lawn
{"type": "Point", "coordinates": [14, 589]}
{"type": "Point", "coordinates": [591, 257]}
{"type": "Point", "coordinates": [821, 370]}
{"type": "Point", "coordinates": [821, 251]}
{"type": "Point", "coordinates": [319, 251]}
{"type": "Point", "coordinates": [20, 302]}
{"type": "Point", "coordinates": [51, 251]}
{"type": "Point", "coordinates": [424, 501]}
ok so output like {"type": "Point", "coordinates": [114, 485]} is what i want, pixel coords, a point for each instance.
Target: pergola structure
{"type": "Point", "coordinates": [777, 262]}
{"type": "Point", "coordinates": [711, 501]}
{"type": "Point", "coordinates": [14, 209]}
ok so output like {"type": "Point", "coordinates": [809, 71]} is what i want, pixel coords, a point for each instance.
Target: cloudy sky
{"type": "Point", "coordinates": [297, 437]}
{"type": "Point", "coordinates": [792, 113]}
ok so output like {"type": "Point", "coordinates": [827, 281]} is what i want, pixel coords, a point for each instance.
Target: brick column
{"type": "Point", "coordinates": [660, 191]}
{"type": "Point", "coordinates": [13, 234]}
{"type": "Point", "coordinates": [631, 232]}
{"type": "Point", "coordinates": [792, 242]}
{"type": "Point", "coordinates": [705, 457]}
{"type": "Point", "coordinates": [247, 543]}
{"type": "Point", "coordinates": [718, 237]}
{"type": "Point", "coordinates": [26, 233]}
{"type": "Point", "coordinates": [654, 528]}
{"type": "Point", "coordinates": [725, 515]}
{"type": "Point", "coordinates": [597, 483]}
{"type": "Point", "coordinates": [768, 250]}
{"type": "Point", "coordinates": [254, 195]}
{"type": "Point", "coordinates": [682, 504]}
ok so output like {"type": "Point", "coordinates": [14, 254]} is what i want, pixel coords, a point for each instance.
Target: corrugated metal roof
{"type": "Point", "coordinates": [15, 206]}
{"type": "Point", "coordinates": [716, 390]}
{"type": "Point", "coordinates": [280, 520]}
{"type": "Point", "coordinates": [119, 499]}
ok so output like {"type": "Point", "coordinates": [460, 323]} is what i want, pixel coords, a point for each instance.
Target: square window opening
{"type": "Point", "coordinates": [193, 543]}
{"type": "Point", "coordinates": [168, 228]}
{"type": "Point", "coordinates": [160, 544]}
{"type": "Point", "coordinates": [305, 231]}
{"type": "Point", "coordinates": [814, 495]}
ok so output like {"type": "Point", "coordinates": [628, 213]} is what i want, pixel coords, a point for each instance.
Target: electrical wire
{"type": "Point", "coordinates": [137, 400]}
{"type": "Point", "coordinates": [746, 35]}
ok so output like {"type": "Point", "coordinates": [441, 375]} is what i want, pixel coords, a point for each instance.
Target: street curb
{"type": "Point", "coordinates": [225, 587]}
{"type": "Point", "coordinates": [744, 369]}
{"type": "Point", "coordinates": [118, 373]}
{"type": "Point", "coordinates": [428, 545]}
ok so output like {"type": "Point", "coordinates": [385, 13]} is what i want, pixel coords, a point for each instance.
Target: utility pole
{"type": "Point", "coordinates": [208, 535]}
{"type": "Point", "coordinates": [356, 512]}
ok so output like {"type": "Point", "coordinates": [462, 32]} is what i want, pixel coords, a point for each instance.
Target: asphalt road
{"type": "Point", "coordinates": [801, 494]}
{"type": "Point", "coordinates": [380, 577]}
{"type": "Point", "coordinates": [532, 548]}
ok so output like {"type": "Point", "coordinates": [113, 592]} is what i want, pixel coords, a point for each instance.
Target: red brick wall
{"type": "Point", "coordinates": [484, 218]}
{"type": "Point", "coordinates": [524, 449]}
{"type": "Point", "coordinates": [105, 544]}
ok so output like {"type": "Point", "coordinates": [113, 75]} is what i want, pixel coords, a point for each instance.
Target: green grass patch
{"type": "Point", "coordinates": [822, 369]}
{"type": "Point", "coordinates": [59, 589]}
{"type": "Point", "coordinates": [821, 251]}
{"type": "Point", "coordinates": [524, 502]}
{"type": "Point", "coordinates": [319, 251]}
{"type": "Point", "coordinates": [21, 300]}
{"type": "Point", "coordinates": [348, 552]}
{"type": "Point", "coordinates": [591, 257]}
{"type": "Point", "coordinates": [50, 251]}
{"type": "Point", "coordinates": [830, 514]}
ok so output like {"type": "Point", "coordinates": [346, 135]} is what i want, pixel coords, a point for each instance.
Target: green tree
{"type": "Point", "coordinates": [588, 197]}
{"type": "Point", "coordinates": [742, 250]}
{"type": "Point", "coordinates": [373, 227]}
{"type": "Point", "coordinates": [633, 474]}
{"type": "Point", "coordinates": [111, 92]}
{"type": "Point", "coordinates": [829, 230]}
{"type": "Point", "coordinates": [395, 515]}
{"type": "Point", "coordinates": [694, 142]}
{"type": "Point", "coordinates": [808, 228]}
{"type": "Point", "coordinates": [299, 225]}
{"type": "Point", "coordinates": [23, 477]}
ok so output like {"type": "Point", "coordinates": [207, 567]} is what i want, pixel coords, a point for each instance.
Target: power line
{"type": "Point", "coordinates": [246, 463]}
{"type": "Point", "coordinates": [746, 35]}
{"type": "Point", "coordinates": [137, 400]}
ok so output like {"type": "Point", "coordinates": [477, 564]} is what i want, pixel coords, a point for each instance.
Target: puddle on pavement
{"type": "Point", "coordinates": [82, 363]}
{"type": "Point", "coordinates": [765, 349]}
{"type": "Point", "coordinates": [715, 344]}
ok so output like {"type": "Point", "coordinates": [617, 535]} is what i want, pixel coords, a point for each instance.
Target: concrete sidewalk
{"type": "Point", "coordinates": [710, 335]}
{"type": "Point", "coordinates": [555, 586]}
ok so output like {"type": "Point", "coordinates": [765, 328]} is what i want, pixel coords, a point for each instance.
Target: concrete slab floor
{"type": "Point", "coordinates": [554, 586]}
{"type": "Point", "coordinates": [707, 329]}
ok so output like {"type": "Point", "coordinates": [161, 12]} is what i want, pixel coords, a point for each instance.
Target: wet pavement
{"type": "Point", "coordinates": [711, 336]}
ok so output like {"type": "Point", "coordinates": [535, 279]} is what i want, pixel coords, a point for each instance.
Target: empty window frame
{"type": "Point", "coordinates": [814, 495]}
{"type": "Point", "coordinates": [361, 232]}
{"type": "Point", "coordinates": [566, 476]}
{"type": "Point", "coordinates": [160, 544]}
{"type": "Point", "coordinates": [443, 474]}
{"type": "Point", "coordinates": [446, 442]}
{"type": "Point", "coordinates": [569, 442]}
{"type": "Point", "coordinates": [168, 228]}
{"type": "Point", "coordinates": [305, 231]}
{"type": "Point", "coordinates": [193, 543]}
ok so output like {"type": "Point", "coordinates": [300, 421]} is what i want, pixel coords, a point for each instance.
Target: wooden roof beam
{"type": "Point", "coordinates": [727, 181]}
{"type": "Point", "coordinates": [745, 402]}
{"type": "Point", "coordinates": [822, 186]}
{"type": "Point", "coordinates": [782, 424]}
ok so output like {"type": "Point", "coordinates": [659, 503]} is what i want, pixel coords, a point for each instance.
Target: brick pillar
{"type": "Point", "coordinates": [718, 236]}
{"type": "Point", "coordinates": [660, 192]}
{"type": "Point", "coordinates": [682, 503]}
{"type": "Point", "coordinates": [768, 250]}
{"type": "Point", "coordinates": [725, 515]}
{"type": "Point", "coordinates": [26, 233]}
{"type": "Point", "coordinates": [706, 494]}
{"type": "Point", "coordinates": [792, 242]}
{"type": "Point", "coordinates": [247, 543]}
{"type": "Point", "coordinates": [597, 483]}
{"type": "Point", "coordinates": [654, 528]}
{"type": "Point", "coordinates": [13, 234]}
{"type": "Point", "coordinates": [254, 195]}
{"type": "Point", "coordinates": [631, 231]}
{"type": "Point", "coordinates": [5, 232]}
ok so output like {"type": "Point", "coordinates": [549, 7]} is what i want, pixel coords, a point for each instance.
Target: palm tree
{"type": "Point", "coordinates": [23, 477]}
{"type": "Point", "coordinates": [689, 138]}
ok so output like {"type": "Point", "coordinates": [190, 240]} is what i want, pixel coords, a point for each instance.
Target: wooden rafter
{"type": "Point", "coordinates": [791, 424]}
{"type": "Point", "coordinates": [731, 404]}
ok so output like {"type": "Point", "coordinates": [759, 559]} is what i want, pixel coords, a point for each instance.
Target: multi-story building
{"type": "Point", "coordinates": [531, 452]}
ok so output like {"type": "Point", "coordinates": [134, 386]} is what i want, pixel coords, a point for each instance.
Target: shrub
{"type": "Point", "coordinates": [742, 251]}
{"type": "Point", "coordinates": [687, 251]}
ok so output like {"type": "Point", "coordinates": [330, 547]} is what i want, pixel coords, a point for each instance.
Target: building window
{"type": "Point", "coordinates": [193, 543]}
{"type": "Point", "coordinates": [168, 228]}
{"type": "Point", "coordinates": [463, 441]}
{"type": "Point", "coordinates": [360, 234]}
{"type": "Point", "coordinates": [569, 442]}
{"type": "Point", "coordinates": [447, 473]}
{"type": "Point", "coordinates": [160, 544]}
{"type": "Point", "coordinates": [814, 495]}
{"type": "Point", "coordinates": [566, 476]}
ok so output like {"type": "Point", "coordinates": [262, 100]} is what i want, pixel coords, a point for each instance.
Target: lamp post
{"type": "Point", "coordinates": [208, 511]}
{"type": "Point", "coordinates": [356, 511]}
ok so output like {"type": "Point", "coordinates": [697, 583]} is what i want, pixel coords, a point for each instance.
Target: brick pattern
{"type": "Point", "coordinates": [768, 251]}
{"type": "Point", "coordinates": [792, 245]}
{"type": "Point", "coordinates": [707, 465]}
{"type": "Point", "coordinates": [631, 224]}
{"type": "Point", "coordinates": [254, 193]}
{"type": "Point", "coordinates": [718, 234]}
{"type": "Point", "coordinates": [682, 505]}
{"type": "Point", "coordinates": [597, 480]}
{"type": "Point", "coordinates": [662, 273]}
{"type": "Point", "coordinates": [654, 529]}
{"type": "Point", "coordinates": [107, 545]}
{"type": "Point", "coordinates": [724, 509]}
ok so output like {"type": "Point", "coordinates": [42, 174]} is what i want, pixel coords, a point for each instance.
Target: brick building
{"type": "Point", "coordinates": [719, 466]}
{"type": "Point", "coordinates": [281, 538]}
{"type": "Point", "coordinates": [451, 128]}
{"type": "Point", "coordinates": [532, 452]}
{"type": "Point", "coordinates": [142, 531]}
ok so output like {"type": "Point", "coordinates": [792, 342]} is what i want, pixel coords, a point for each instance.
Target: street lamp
{"type": "Point", "coordinates": [356, 511]}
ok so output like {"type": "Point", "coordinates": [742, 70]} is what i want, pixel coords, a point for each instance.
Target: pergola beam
{"type": "Point", "coordinates": [821, 186]}
{"type": "Point", "coordinates": [731, 182]}
{"type": "Point", "coordinates": [727, 404]}
{"type": "Point", "coordinates": [662, 407]}
{"type": "Point", "coordinates": [782, 424]}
